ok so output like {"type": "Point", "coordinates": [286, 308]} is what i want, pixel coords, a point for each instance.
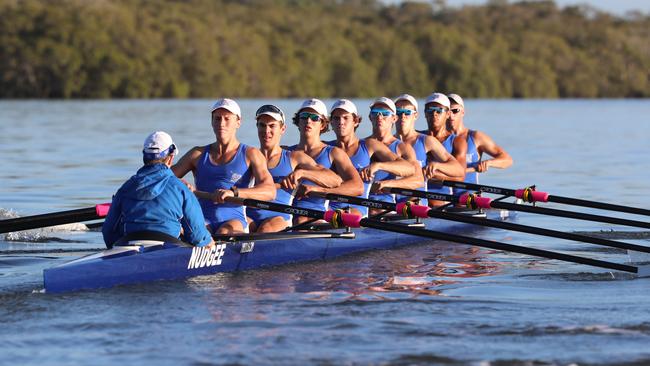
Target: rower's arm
{"type": "Point", "coordinates": [187, 163]}
{"type": "Point", "coordinates": [264, 188]}
{"type": "Point", "coordinates": [112, 229]}
{"type": "Point", "coordinates": [413, 181]}
{"type": "Point", "coordinates": [384, 159]}
{"type": "Point", "coordinates": [446, 167]}
{"type": "Point", "coordinates": [352, 184]}
{"type": "Point", "coordinates": [500, 158]}
{"type": "Point", "coordinates": [304, 167]}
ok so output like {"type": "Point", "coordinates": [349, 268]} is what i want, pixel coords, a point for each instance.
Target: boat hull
{"type": "Point", "coordinates": [145, 261]}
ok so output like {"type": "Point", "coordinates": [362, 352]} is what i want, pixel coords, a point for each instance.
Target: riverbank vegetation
{"type": "Point", "coordinates": [296, 48]}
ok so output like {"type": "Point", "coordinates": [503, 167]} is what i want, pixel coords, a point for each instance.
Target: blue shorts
{"type": "Point", "coordinates": [343, 205]}
{"type": "Point", "coordinates": [311, 203]}
{"type": "Point", "coordinates": [259, 216]}
{"type": "Point", "coordinates": [216, 215]}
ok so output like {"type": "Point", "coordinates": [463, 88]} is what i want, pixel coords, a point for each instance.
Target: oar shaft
{"type": "Point", "coordinates": [478, 187]}
{"type": "Point", "coordinates": [550, 198]}
{"type": "Point", "coordinates": [355, 200]}
{"type": "Point", "coordinates": [536, 230]}
{"type": "Point", "coordinates": [569, 214]}
{"type": "Point", "coordinates": [598, 205]}
{"type": "Point", "coordinates": [496, 245]}
{"type": "Point", "coordinates": [335, 218]}
{"type": "Point", "coordinates": [51, 219]}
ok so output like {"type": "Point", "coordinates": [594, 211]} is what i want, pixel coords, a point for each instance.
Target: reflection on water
{"type": "Point", "coordinates": [426, 269]}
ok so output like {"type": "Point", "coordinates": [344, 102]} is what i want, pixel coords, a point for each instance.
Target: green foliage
{"type": "Point", "coordinates": [329, 48]}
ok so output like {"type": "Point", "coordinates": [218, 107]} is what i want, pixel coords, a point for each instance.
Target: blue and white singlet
{"type": "Point", "coordinates": [324, 160]}
{"type": "Point", "coordinates": [283, 196]}
{"type": "Point", "coordinates": [210, 176]}
{"type": "Point", "coordinates": [472, 158]}
{"type": "Point", "coordinates": [448, 144]}
{"type": "Point", "coordinates": [382, 175]}
{"type": "Point", "coordinates": [360, 160]}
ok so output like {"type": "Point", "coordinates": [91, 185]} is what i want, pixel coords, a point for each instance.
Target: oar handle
{"type": "Point", "coordinates": [336, 218]}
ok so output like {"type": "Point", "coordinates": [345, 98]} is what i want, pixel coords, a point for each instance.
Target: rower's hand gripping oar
{"type": "Point", "coordinates": [531, 195]}
{"type": "Point", "coordinates": [55, 218]}
{"type": "Point", "coordinates": [474, 201]}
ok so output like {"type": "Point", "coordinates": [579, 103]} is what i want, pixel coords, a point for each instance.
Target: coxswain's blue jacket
{"type": "Point", "coordinates": [155, 200]}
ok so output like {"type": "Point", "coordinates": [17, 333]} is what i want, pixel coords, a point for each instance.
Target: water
{"type": "Point", "coordinates": [435, 303]}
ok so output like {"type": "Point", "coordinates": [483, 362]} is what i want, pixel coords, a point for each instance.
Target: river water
{"type": "Point", "coordinates": [434, 303]}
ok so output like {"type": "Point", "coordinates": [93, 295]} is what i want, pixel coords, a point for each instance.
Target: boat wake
{"type": "Point", "coordinates": [42, 235]}
{"type": "Point", "coordinates": [612, 234]}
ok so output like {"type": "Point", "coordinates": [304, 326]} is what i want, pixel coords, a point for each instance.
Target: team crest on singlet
{"type": "Point", "coordinates": [235, 177]}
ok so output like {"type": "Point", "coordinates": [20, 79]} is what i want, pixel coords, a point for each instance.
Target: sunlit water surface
{"type": "Point", "coordinates": [434, 303]}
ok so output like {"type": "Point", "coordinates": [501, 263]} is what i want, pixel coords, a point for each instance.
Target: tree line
{"type": "Point", "coordinates": [328, 48]}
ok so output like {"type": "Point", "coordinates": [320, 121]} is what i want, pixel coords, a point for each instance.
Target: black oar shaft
{"type": "Point", "coordinates": [51, 219]}
{"type": "Point", "coordinates": [526, 208]}
{"type": "Point", "coordinates": [356, 201]}
{"type": "Point", "coordinates": [478, 187]}
{"type": "Point", "coordinates": [551, 198]}
{"type": "Point", "coordinates": [496, 245]}
{"type": "Point", "coordinates": [598, 205]}
{"type": "Point", "coordinates": [536, 230]}
{"type": "Point", "coordinates": [569, 214]}
{"type": "Point", "coordinates": [277, 207]}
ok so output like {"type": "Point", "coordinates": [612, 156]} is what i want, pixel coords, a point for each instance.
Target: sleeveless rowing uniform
{"type": "Point", "coordinates": [420, 149]}
{"type": "Point", "coordinates": [472, 158]}
{"type": "Point", "coordinates": [448, 144]}
{"type": "Point", "coordinates": [360, 160]}
{"type": "Point", "coordinates": [283, 196]}
{"type": "Point", "coordinates": [382, 175]}
{"type": "Point", "coordinates": [323, 159]}
{"type": "Point", "coordinates": [210, 176]}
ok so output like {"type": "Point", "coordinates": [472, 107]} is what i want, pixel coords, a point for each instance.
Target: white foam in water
{"type": "Point", "coordinates": [36, 234]}
{"type": "Point", "coordinates": [638, 257]}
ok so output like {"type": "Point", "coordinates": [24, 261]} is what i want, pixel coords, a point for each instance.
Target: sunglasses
{"type": "Point", "coordinates": [383, 112]}
{"type": "Point", "coordinates": [269, 108]}
{"type": "Point", "coordinates": [455, 110]}
{"type": "Point", "coordinates": [438, 110]}
{"type": "Point", "coordinates": [405, 111]}
{"type": "Point", "coordinates": [309, 116]}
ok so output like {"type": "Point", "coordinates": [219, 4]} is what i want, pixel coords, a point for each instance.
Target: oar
{"type": "Point", "coordinates": [397, 228]}
{"type": "Point", "coordinates": [531, 195]}
{"type": "Point", "coordinates": [54, 218]}
{"type": "Point", "coordinates": [474, 201]}
{"type": "Point", "coordinates": [337, 219]}
{"type": "Point", "coordinates": [412, 210]}
{"type": "Point", "coordinates": [352, 220]}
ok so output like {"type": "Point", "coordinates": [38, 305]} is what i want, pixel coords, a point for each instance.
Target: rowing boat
{"type": "Point", "coordinates": [146, 260]}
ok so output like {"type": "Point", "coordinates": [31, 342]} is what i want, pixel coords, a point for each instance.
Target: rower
{"type": "Point", "coordinates": [224, 169]}
{"type": "Point", "coordinates": [288, 169]}
{"type": "Point", "coordinates": [154, 202]}
{"type": "Point", "coordinates": [370, 156]}
{"type": "Point", "coordinates": [312, 121]}
{"type": "Point", "coordinates": [436, 162]}
{"type": "Point", "coordinates": [478, 143]}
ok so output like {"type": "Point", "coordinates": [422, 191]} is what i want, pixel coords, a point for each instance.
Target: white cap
{"type": "Point", "coordinates": [227, 104]}
{"type": "Point", "coordinates": [387, 101]}
{"type": "Point", "coordinates": [438, 98]}
{"type": "Point", "coordinates": [158, 145]}
{"type": "Point", "coordinates": [315, 104]}
{"type": "Point", "coordinates": [455, 98]}
{"type": "Point", "coordinates": [409, 98]}
{"type": "Point", "coordinates": [345, 105]}
{"type": "Point", "coordinates": [270, 110]}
